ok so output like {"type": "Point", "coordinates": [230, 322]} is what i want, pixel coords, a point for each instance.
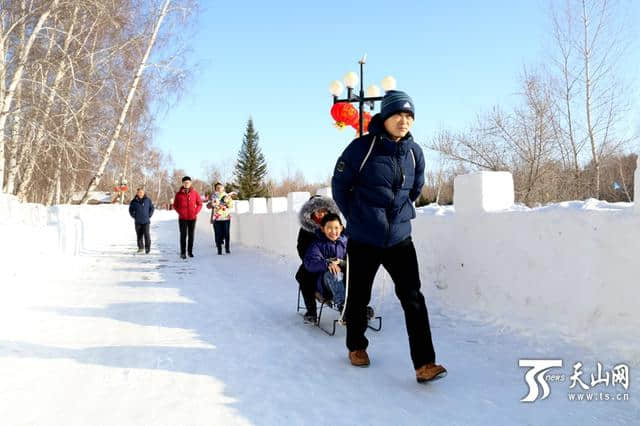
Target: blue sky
{"type": "Point", "coordinates": [274, 61]}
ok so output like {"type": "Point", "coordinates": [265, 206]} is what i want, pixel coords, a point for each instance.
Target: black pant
{"type": "Point", "coordinates": [186, 227]}
{"type": "Point", "coordinates": [307, 281]}
{"type": "Point", "coordinates": [402, 264]}
{"type": "Point", "coordinates": [142, 231]}
{"type": "Point", "coordinates": [221, 229]}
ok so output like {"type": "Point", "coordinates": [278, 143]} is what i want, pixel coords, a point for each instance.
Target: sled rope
{"type": "Point", "coordinates": [346, 291]}
{"type": "Point", "coordinates": [383, 291]}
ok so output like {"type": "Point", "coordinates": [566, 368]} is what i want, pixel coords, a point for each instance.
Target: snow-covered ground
{"type": "Point", "coordinates": [109, 338]}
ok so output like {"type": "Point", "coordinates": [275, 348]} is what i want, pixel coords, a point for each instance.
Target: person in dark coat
{"type": "Point", "coordinates": [310, 216]}
{"type": "Point", "coordinates": [326, 256]}
{"type": "Point", "coordinates": [188, 204]}
{"type": "Point", "coordinates": [141, 209]}
{"type": "Point", "coordinates": [376, 180]}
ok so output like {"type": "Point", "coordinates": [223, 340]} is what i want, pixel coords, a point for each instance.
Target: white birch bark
{"type": "Point", "coordinates": [95, 181]}
{"type": "Point", "coordinates": [5, 107]}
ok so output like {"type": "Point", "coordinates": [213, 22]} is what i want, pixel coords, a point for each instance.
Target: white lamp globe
{"type": "Point", "coordinates": [373, 91]}
{"type": "Point", "coordinates": [350, 79]}
{"type": "Point", "coordinates": [388, 83]}
{"type": "Point", "coordinates": [336, 88]}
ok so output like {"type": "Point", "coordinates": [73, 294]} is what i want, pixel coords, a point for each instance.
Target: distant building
{"type": "Point", "coordinates": [95, 197]}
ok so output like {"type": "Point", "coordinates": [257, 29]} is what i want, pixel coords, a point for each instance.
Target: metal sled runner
{"type": "Point", "coordinates": [377, 320]}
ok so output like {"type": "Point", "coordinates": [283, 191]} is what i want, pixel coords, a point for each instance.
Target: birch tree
{"type": "Point", "coordinates": [590, 41]}
{"type": "Point", "coordinates": [7, 100]}
{"type": "Point", "coordinates": [95, 181]}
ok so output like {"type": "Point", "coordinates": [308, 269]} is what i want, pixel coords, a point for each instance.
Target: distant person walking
{"type": "Point", "coordinates": [220, 204]}
{"type": "Point", "coordinates": [141, 209]}
{"type": "Point", "coordinates": [188, 204]}
{"type": "Point", "coordinates": [375, 182]}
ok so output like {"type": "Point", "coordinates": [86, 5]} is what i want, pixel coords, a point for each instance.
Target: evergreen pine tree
{"type": "Point", "coordinates": [251, 166]}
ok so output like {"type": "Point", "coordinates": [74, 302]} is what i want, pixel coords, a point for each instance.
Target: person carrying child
{"type": "Point", "coordinates": [220, 204]}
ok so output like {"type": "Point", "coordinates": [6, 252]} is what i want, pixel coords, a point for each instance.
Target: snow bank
{"type": "Point", "coordinates": [36, 230]}
{"type": "Point", "coordinates": [567, 267]}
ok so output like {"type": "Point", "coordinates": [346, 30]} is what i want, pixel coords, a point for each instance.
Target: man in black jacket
{"type": "Point", "coordinates": [376, 180]}
{"type": "Point", "coordinates": [141, 209]}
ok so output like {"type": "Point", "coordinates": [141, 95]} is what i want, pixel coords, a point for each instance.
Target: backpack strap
{"type": "Point", "coordinates": [366, 157]}
{"type": "Point", "coordinates": [413, 157]}
{"type": "Point", "coordinates": [373, 142]}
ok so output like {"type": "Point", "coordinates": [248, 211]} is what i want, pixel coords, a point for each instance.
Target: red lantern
{"type": "Point", "coordinates": [345, 114]}
{"type": "Point", "coordinates": [116, 189]}
{"type": "Point", "coordinates": [366, 120]}
{"type": "Point", "coordinates": [124, 188]}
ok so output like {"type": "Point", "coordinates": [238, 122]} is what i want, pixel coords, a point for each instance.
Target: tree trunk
{"type": "Point", "coordinates": [53, 194]}
{"type": "Point", "coordinates": [3, 88]}
{"type": "Point", "coordinates": [125, 169]}
{"type": "Point", "coordinates": [587, 83]}
{"type": "Point", "coordinates": [24, 184]}
{"type": "Point", "coordinates": [30, 147]}
{"type": "Point", "coordinates": [58, 179]}
{"type": "Point", "coordinates": [623, 181]}
{"type": "Point", "coordinates": [16, 140]}
{"type": "Point", "coordinates": [572, 141]}
{"type": "Point", "coordinates": [159, 187]}
{"type": "Point", "coordinates": [17, 76]}
{"type": "Point", "coordinates": [95, 181]}
{"type": "Point", "coordinates": [17, 122]}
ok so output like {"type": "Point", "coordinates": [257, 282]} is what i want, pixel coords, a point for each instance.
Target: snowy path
{"type": "Point", "coordinates": [115, 339]}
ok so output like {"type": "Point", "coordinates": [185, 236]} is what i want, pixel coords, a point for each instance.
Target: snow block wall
{"type": "Point", "coordinates": [567, 267]}
{"type": "Point", "coordinates": [32, 229]}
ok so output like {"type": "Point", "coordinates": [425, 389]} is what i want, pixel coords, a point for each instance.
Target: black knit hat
{"type": "Point", "coordinates": [186, 178]}
{"type": "Point", "coordinates": [395, 101]}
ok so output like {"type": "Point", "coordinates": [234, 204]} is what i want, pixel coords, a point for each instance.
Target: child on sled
{"type": "Point", "coordinates": [326, 257]}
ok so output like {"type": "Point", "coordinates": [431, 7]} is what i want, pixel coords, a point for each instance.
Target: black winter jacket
{"type": "Point", "coordinates": [378, 200]}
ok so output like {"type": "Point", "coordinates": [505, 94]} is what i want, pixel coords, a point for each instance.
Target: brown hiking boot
{"type": "Point", "coordinates": [430, 372]}
{"type": "Point", "coordinates": [359, 358]}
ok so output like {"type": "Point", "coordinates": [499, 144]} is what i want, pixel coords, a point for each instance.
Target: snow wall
{"type": "Point", "coordinates": [566, 268]}
{"type": "Point", "coordinates": [33, 229]}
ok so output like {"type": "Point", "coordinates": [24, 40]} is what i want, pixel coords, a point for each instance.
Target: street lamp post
{"type": "Point", "coordinates": [372, 95]}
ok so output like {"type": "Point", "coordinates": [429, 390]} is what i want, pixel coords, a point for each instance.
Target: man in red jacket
{"type": "Point", "coordinates": [188, 204]}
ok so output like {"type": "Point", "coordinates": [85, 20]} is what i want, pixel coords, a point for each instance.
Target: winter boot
{"type": "Point", "coordinates": [140, 250]}
{"type": "Point", "coordinates": [219, 249]}
{"type": "Point", "coordinates": [430, 372]}
{"type": "Point", "coordinates": [190, 254]}
{"type": "Point", "coordinates": [359, 358]}
{"type": "Point", "coordinates": [370, 313]}
{"type": "Point", "coordinates": [183, 256]}
{"type": "Point", "coordinates": [310, 318]}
